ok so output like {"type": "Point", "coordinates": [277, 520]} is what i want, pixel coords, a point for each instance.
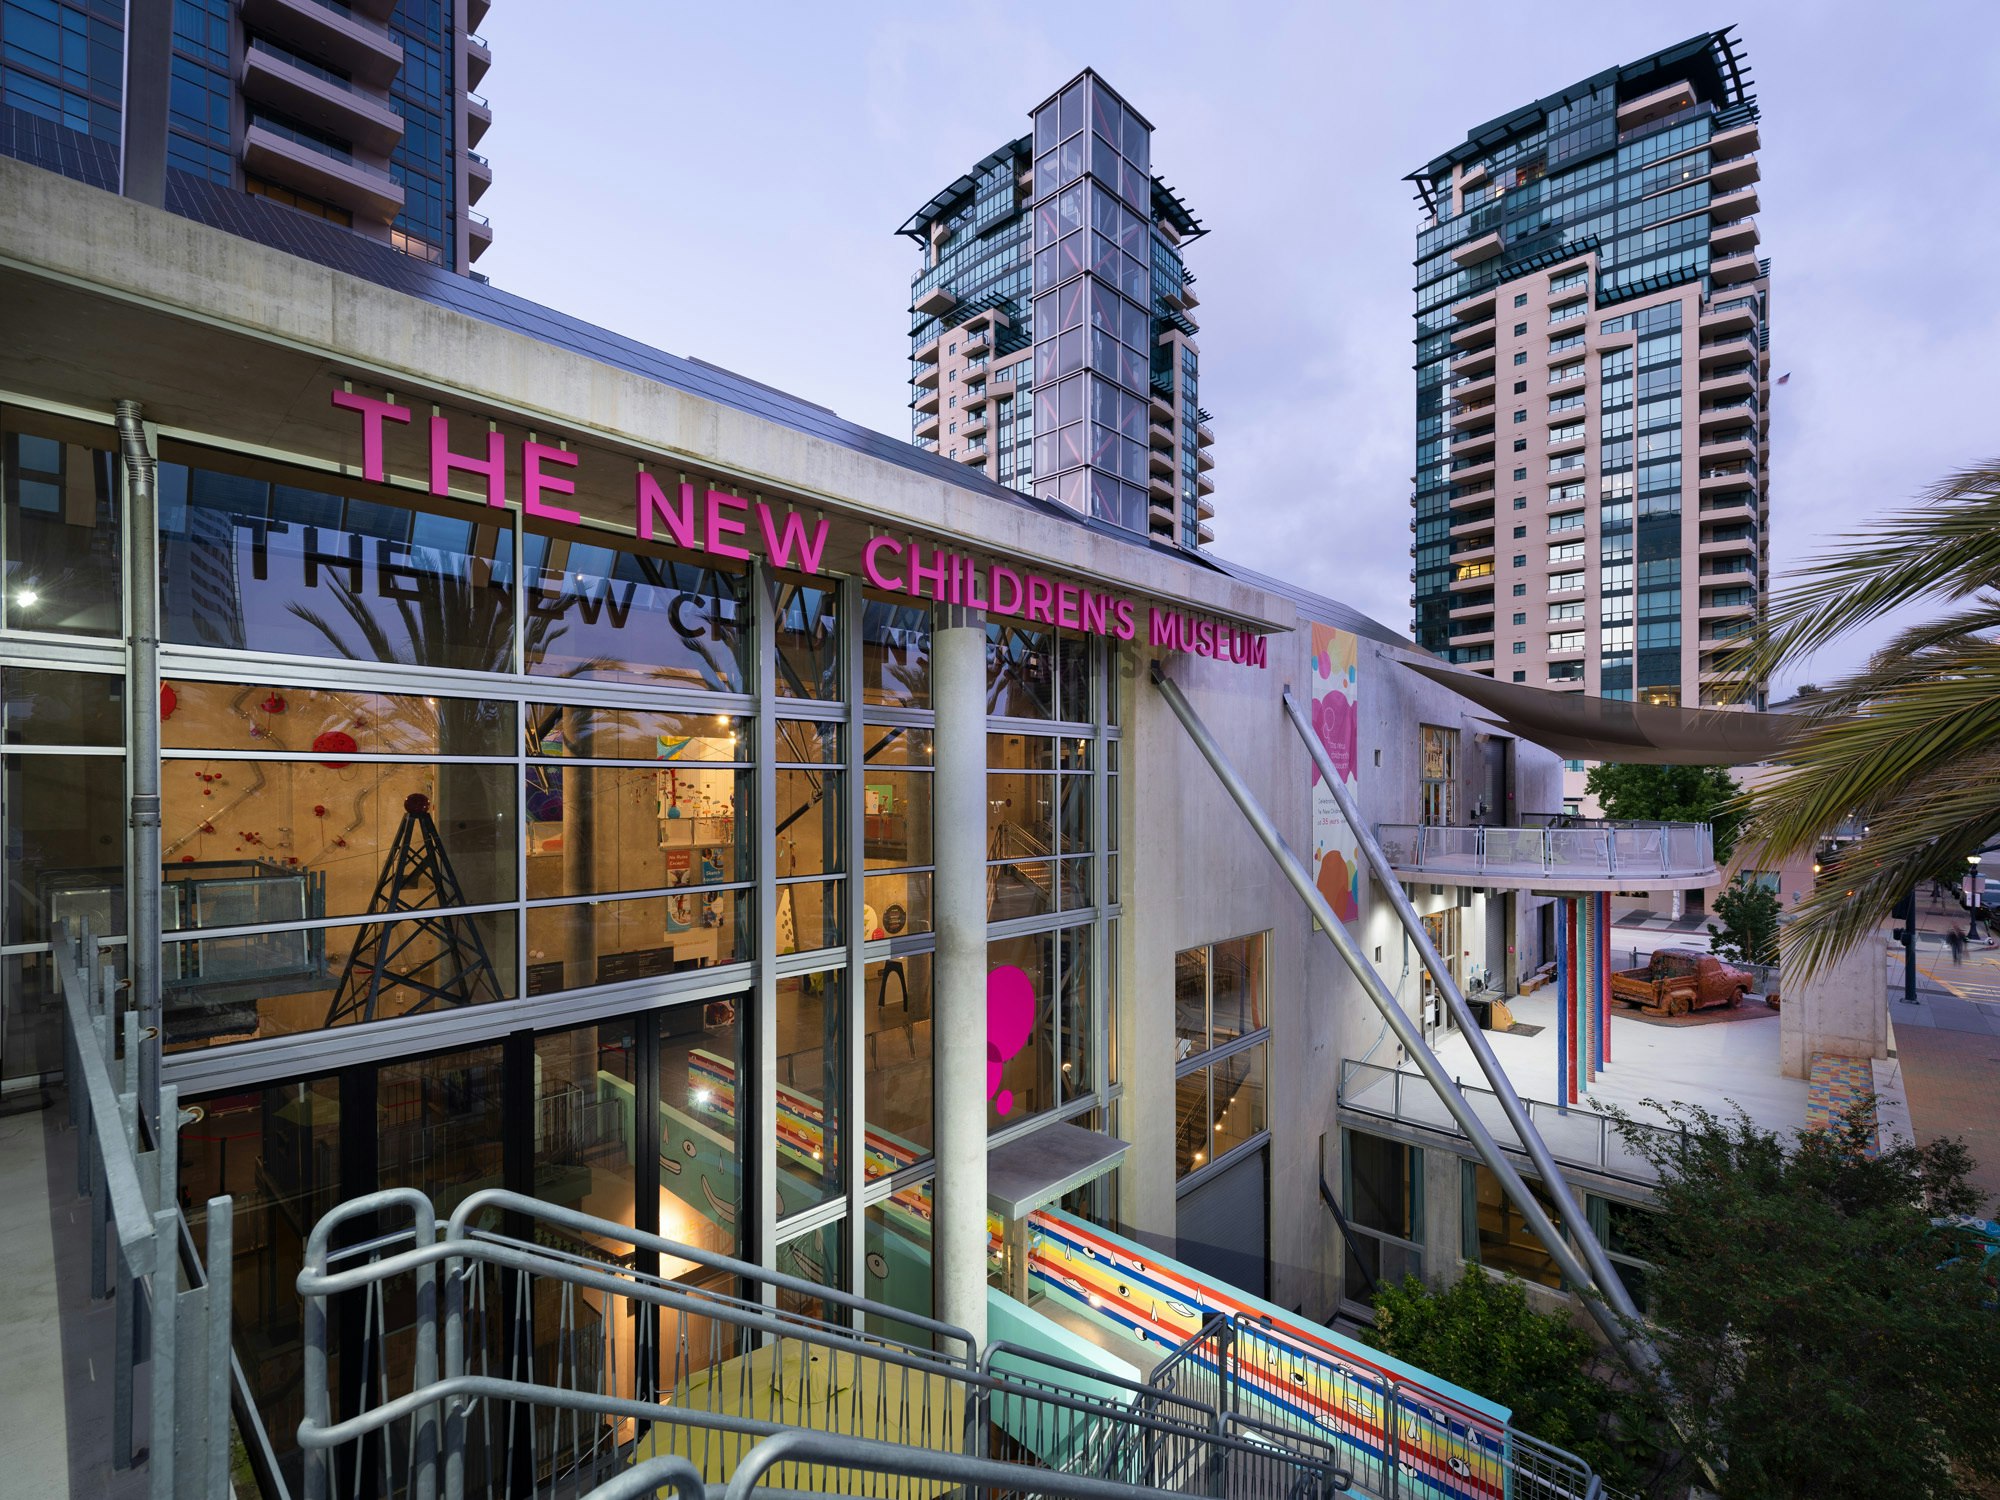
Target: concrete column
{"type": "Point", "coordinates": [958, 1223]}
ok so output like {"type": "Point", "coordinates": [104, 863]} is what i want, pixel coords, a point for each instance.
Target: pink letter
{"type": "Point", "coordinates": [651, 498]}
{"type": "Point", "coordinates": [1257, 651]}
{"type": "Point", "coordinates": [443, 461]}
{"type": "Point", "coordinates": [974, 599]}
{"type": "Point", "coordinates": [1066, 605]}
{"type": "Point", "coordinates": [933, 575]}
{"type": "Point", "coordinates": [1095, 608]}
{"type": "Point", "coordinates": [873, 569]}
{"type": "Point", "coordinates": [794, 536]}
{"type": "Point", "coordinates": [996, 575]}
{"type": "Point", "coordinates": [534, 483]}
{"type": "Point", "coordinates": [1163, 630]}
{"type": "Point", "coordinates": [373, 413]}
{"type": "Point", "coordinates": [718, 526]}
{"type": "Point", "coordinates": [1125, 628]}
{"type": "Point", "coordinates": [1041, 599]}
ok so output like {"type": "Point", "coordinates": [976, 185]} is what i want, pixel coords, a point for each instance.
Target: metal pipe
{"type": "Point", "coordinates": [142, 675]}
{"type": "Point", "coordinates": [1636, 1351]}
{"type": "Point", "coordinates": [1602, 1272]}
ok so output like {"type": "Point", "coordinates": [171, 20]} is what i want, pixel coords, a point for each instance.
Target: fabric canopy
{"type": "Point", "coordinates": [1581, 728]}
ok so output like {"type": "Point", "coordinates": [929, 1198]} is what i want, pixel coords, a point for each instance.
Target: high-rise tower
{"type": "Point", "coordinates": [1052, 337]}
{"type": "Point", "coordinates": [364, 114]}
{"type": "Point", "coordinates": [1592, 496]}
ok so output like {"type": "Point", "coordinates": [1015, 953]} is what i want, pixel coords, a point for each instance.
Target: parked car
{"type": "Point", "coordinates": [1678, 980]}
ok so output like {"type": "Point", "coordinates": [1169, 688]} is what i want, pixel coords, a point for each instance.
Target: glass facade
{"type": "Point", "coordinates": [501, 807]}
{"type": "Point", "coordinates": [1616, 212]}
{"type": "Point", "coordinates": [64, 61]}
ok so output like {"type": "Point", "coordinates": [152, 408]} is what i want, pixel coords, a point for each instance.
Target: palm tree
{"type": "Point", "coordinates": [1908, 745]}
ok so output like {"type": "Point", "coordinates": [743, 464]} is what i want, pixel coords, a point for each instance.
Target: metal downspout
{"type": "Point", "coordinates": [1602, 1272]}
{"type": "Point", "coordinates": [142, 532]}
{"type": "Point", "coordinates": [1636, 1351]}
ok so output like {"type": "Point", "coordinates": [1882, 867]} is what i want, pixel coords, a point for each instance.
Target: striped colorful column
{"type": "Point", "coordinates": [1583, 991]}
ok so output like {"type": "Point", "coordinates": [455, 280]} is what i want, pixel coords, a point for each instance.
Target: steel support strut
{"type": "Point", "coordinates": [1601, 1270]}
{"type": "Point", "coordinates": [1634, 1348]}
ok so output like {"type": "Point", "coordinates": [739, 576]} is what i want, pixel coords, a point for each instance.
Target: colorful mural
{"type": "Point", "coordinates": [1336, 701]}
{"type": "Point", "coordinates": [1583, 991]}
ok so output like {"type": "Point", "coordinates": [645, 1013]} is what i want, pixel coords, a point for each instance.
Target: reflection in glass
{"type": "Point", "coordinates": [42, 707]}
{"type": "Point", "coordinates": [609, 615]}
{"type": "Point", "coordinates": [1238, 1005]}
{"type": "Point", "coordinates": [1190, 1122]}
{"type": "Point", "coordinates": [700, 1134]}
{"type": "Point", "coordinates": [60, 533]}
{"type": "Point", "coordinates": [807, 742]}
{"type": "Point", "coordinates": [819, 1256]}
{"type": "Point", "coordinates": [897, 1254]}
{"type": "Point", "coordinates": [1238, 1098]}
{"type": "Point", "coordinates": [1020, 815]}
{"type": "Point", "coordinates": [593, 830]}
{"type": "Point", "coordinates": [1076, 1075]}
{"type": "Point", "coordinates": [896, 654]}
{"type": "Point", "coordinates": [577, 947]}
{"type": "Point", "coordinates": [808, 642]}
{"type": "Point", "coordinates": [892, 745]}
{"type": "Point", "coordinates": [810, 1115]}
{"type": "Point", "coordinates": [245, 562]}
{"type": "Point", "coordinates": [896, 1013]}
{"type": "Point", "coordinates": [1190, 1002]}
{"type": "Point", "coordinates": [1020, 671]}
{"type": "Point", "coordinates": [595, 733]}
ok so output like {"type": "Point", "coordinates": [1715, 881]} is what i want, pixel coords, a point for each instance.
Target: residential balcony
{"type": "Point", "coordinates": [1473, 362]}
{"type": "Point", "coordinates": [1478, 468]}
{"type": "Point", "coordinates": [1480, 305]}
{"type": "Point", "coordinates": [1727, 176]}
{"type": "Point", "coordinates": [364, 48]}
{"type": "Point", "coordinates": [1726, 611]}
{"type": "Point", "coordinates": [1721, 481]}
{"type": "Point", "coordinates": [974, 341]}
{"type": "Point", "coordinates": [926, 376]}
{"type": "Point", "coordinates": [478, 176]}
{"type": "Point", "coordinates": [318, 171]}
{"type": "Point", "coordinates": [1472, 576]}
{"type": "Point", "coordinates": [1204, 508]}
{"type": "Point", "coordinates": [479, 233]}
{"type": "Point", "coordinates": [1730, 381]}
{"type": "Point", "coordinates": [1481, 524]}
{"type": "Point", "coordinates": [1161, 488]}
{"type": "Point", "coordinates": [1474, 551]}
{"type": "Point", "coordinates": [1473, 637]}
{"type": "Point", "coordinates": [1466, 609]}
{"type": "Point", "coordinates": [1729, 546]}
{"type": "Point", "coordinates": [1574, 381]}
{"type": "Point", "coordinates": [1729, 349]}
{"type": "Point", "coordinates": [1737, 203]}
{"type": "Point", "coordinates": [1466, 444]}
{"type": "Point", "coordinates": [1471, 176]}
{"type": "Point", "coordinates": [1204, 460]}
{"type": "Point", "coordinates": [475, 12]}
{"type": "Point", "coordinates": [1737, 505]}
{"type": "Point", "coordinates": [973, 455]}
{"type": "Point", "coordinates": [478, 118]}
{"type": "Point", "coordinates": [1204, 533]}
{"type": "Point", "coordinates": [1571, 855]}
{"type": "Point", "coordinates": [1468, 389]}
{"type": "Point", "coordinates": [1204, 434]}
{"type": "Point", "coordinates": [1575, 443]}
{"type": "Point", "coordinates": [1730, 449]}
{"type": "Point", "coordinates": [972, 424]}
{"type": "Point", "coordinates": [1204, 485]}
{"type": "Point", "coordinates": [478, 59]}
{"type": "Point", "coordinates": [927, 424]}
{"type": "Point", "coordinates": [1732, 315]}
{"type": "Point", "coordinates": [1657, 105]}
{"type": "Point", "coordinates": [934, 302]}
{"type": "Point", "coordinates": [1469, 334]}
{"type": "Point", "coordinates": [1734, 238]}
{"type": "Point", "coordinates": [318, 97]}
{"type": "Point", "coordinates": [1734, 142]}
{"type": "Point", "coordinates": [1472, 252]}
{"type": "Point", "coordinates": [1161, 461]}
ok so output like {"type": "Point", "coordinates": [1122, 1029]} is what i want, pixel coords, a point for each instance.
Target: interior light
{"type": "Point", "coordinates": [701, 1098]}
{"type": "Point", "coordinates": [27, 598]}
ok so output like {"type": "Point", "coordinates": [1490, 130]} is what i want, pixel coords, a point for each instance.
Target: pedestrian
{"type": "Point", "coordinates": [1955, 940]}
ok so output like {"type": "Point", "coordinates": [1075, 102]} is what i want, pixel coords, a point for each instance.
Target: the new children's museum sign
{"type": "Point", "coordinates": [723, 525]}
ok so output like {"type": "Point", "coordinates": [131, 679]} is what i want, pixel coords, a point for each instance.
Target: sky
{"type": "Point", "coordinates": [724, 181]}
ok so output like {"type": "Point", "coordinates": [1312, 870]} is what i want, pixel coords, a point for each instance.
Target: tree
{"type": "Point", "coordinates": [1911, 742]}
{"type": "Point", "coordinates": [1671, 794]}
{"type": "Point", "coordinates": [1822, 1334]}
{"type": "Point", "coordinates": [1748, 910]}
{"type": "Point", "coordinates": [1482, 1333]}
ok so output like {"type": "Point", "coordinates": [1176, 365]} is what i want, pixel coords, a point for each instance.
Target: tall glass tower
{"type": "Point", "coordinates": [363, 115]}
{"type": "Point", "coordinates": [1592, 485]}
{"type": "Point", "coordinates": [1052, 337]}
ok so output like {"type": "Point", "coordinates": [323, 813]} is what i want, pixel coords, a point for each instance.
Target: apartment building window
{"type": "Point", "coordinates": [1565, 671]}
{"type": "Point", "coordinates": [1383, 1189]}
{"type": "Point", "coordinates": [1521, 357]}
{"type": "Point", "coordinates": [1565, 611]}
{"type": "Point", "coordinates": [1566, 403]}
{"type": "Point", "coordinates": [1567, 432]}
{"type": "Point", "coordinates": [1520, 502]}
{"type": "Point", "coordinates": [1618, 1226]}
{"type": "Point", "coordinates": [1520, 589]}
{"type": "Point", "coordinates": [1521, 386]}
{"type": "Point", "coordinates": [1520, 299]}
{"type": "Point", "coordinates": [1520, 648]}
{"type": "Point", "coordinates": [1567, 280]}
{"type": "Point", "coordinates": [1566, 341]}
{"type": "Point", "coordinates": [1520, 677]}
{"type": "Point", "coordinates": [1561, 373]}
{"type": "Point", "coordinates": [1561, 492]}
{"type": "Point", "coordinates": [1519, 475]}
{"type": "Point", "coordinates": [1521, 416]}
{"type": "Point", "coordinates": [1520, 559]}
{"type": "Point", "coordinates": [1520, 445]}
{"type": "Point", "coordinates": [1563, 463]}
{"type": "Point", "coordinates": [1520, 329]}
{"type": "Point", "coordinates": [1221, 1029]}
{"type": "Point", "coordinates": [1568, 310]}
{"type": "Point", "coordinates": [1567, 640]}
{"type": "Point", "coordinates": [1520, 617]}
{"type": "Point", "coordinates": [1519, 532]}
{"type": "Point", "coordinates": [1565, 583]}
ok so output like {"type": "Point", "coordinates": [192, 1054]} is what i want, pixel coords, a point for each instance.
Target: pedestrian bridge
{"type": "Point", "coordinates": [1559, 854]}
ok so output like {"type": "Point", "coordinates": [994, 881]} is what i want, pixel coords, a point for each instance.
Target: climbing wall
{"type": "Point", "coordinates": [1583, 991]}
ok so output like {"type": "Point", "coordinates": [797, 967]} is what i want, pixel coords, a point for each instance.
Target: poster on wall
{"type": "Point", "coordinates": [1336, 697]}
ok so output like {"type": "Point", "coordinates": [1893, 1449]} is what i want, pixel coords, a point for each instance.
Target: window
{"type": "Point", "coordinates": [1383, 1189]}
{"type": "Point", "coordinates": [1568, 432]}
{"type": "Point", "coordinates": [1520, 648]}
{"type": "Point", "coordinates": [1521, 416]}
{"type": "Point", "coordinates": [1520, 677]}
{"type": "Point", "coordinates": [1565, 671]}
{"type": "Point", "coordinates": [1520, 502]}
{"type": "Point", "coordinates": [1520, 445]}
{"type": "Point", "coordinates": [1567, 280]}
{"type": "Point", "coordinates": [1436, 775]}
{"type": "Point", "coordinates": [1520, 589]}
{"type": "Point", "coordinates": [1564, 583]}
{"type": "Point", "coordinates": [1521, 358]}
{"type": "Point", "coordinates": [1567, 640]}
{"type": "Point", "coordinates": [1520, 617]}
{"type": "Point", "coordinates": [1519, 475]}
{"type": "Point", "coordinates": [1520, 560]}
{"type": "Point", "coordinates": [1562, 373]}
{"type": "Point", "coordinates": [1565, 611]}
{"type": "Point", "coordinates": [1520, 329]}
{"type": "Point", "coordinates": [1520, 299]}
{"type": "Point", "coordinates": [1619, 1227]}
{"type": "Point", "coordinates": [1221, 1031]}
{"type": "Point", "coordinates": [1520, 531]}
{"type": "Point", "coordinates": [1568, 310]}
{"type": "Point", "coordinates": [1492, 1230]}
{"type": "Point", "coordinates": [1520, 386]}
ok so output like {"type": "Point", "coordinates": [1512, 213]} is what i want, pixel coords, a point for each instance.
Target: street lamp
{"type": "Point", "coordinates": [1973, 905]}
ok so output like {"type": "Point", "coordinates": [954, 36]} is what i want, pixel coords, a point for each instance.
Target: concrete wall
{"type": "Point", "coordinates": [1844, 1011]}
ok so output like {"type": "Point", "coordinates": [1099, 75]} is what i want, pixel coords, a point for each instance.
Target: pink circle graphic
{"type": "Point", "coordinates": [1010, 1016]}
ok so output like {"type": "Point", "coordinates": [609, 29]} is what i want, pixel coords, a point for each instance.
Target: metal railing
{"type": "Point", "coordinates": [1666, 851]}
{"type": "Point", "coordinates": [136, 1244]}
{"type": "Point", "coordinates": [1576, 1136]}
{"type": "Point", "coordinates": [522, 1348]}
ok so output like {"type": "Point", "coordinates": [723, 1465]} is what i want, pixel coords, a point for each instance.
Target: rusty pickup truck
{"type": "Point", "coordinates": [1678, 980]}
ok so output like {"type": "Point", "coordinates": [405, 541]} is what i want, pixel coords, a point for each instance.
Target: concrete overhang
{"type": "Point", "coordinates": [228, 341]}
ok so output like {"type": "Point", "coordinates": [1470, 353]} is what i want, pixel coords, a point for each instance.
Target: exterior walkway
{"type": "Point", "coordinates": [1948, 1047]}
{"type": "Point", "coordinates": [34, 1422]}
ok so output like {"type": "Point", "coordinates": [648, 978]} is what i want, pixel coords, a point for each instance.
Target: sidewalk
{"type": "Point", "coordinates": [34, 1428]}
{"type": "Point", "coordinates": [1948, 1045]}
